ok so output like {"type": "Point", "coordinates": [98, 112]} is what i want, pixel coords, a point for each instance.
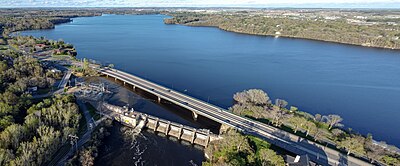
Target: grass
{"type": "Point", "coordinates": [92, 111]}
{"type": "Point", "coordinates": [258, 143]}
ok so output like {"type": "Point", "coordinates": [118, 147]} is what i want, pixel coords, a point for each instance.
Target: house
{"type": "Point", "coordinates": [32, 89]}
{"type": "Point", "coordinates": [40, 47]}
{"type": "Point", "coordinates": [65, 51]}
{"type": "Point", "coordinates": [302, 160]}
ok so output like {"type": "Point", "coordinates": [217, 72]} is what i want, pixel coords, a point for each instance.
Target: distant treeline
{"type": "Point", "coordinates": [12, 20]}
{"type": "Point", "coordinates": [381, 35]}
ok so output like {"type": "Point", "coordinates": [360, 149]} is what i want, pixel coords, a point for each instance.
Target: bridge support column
{"type": "Point", "coordinates": [115, 78]}
{"type": "Point", "coordinates": [145, 119]}
{"type": "Point", "coordinates": [180, 131]}
{"type": "Point", "coordinates": [156, 124]}
{"type": "Point", "coordinates": [193, 136]}
{"type": "Point", "coordinates": [134, 87]}
{"type": "Point", "coordinates": [159, 99]}
{"type": "Point", "coordinates": [107, 75]}
{"type": "Point", "coordinates": [207, 139]}
{"type": "Point", "coordinates": [195, 115]}
{"type": "Point", "coordinates": [167, 128]}
{"type": "Point", "coordinates": [124, 83]}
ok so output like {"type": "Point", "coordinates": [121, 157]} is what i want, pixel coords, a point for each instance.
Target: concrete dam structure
{"type": "Point", "coordinates": [138, 121]}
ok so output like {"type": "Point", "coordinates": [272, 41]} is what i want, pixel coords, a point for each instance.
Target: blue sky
{"type": "Point", "coordinates": [203, 3]}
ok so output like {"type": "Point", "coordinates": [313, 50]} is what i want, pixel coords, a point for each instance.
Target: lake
{"type": "Point", "coordinates": [360, 84]}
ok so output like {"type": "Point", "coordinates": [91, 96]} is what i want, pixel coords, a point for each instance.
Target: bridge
{"type": "Point", "coordinates": [317, 153]}
{"type": "Point", "coordinates": [65, 79]}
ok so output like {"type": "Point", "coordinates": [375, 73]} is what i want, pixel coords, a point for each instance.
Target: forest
{"type": "Point", "coordinates": [31, 129]}
{"type": "Point", "coordinates": [339, 30]}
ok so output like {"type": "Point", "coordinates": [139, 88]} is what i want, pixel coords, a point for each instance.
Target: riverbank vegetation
{"type": "Point", "coordinates": [364, 28]}
{"type": "Point", "coordinates": [46, 127]}
{"type": "Point", "coordinates": [32, 19]}
{"type": "Point", "coordinates": [256, 104]}
{"type": "Point", "coordinates": [87, 155]}
{"type": "Point", "coordinates": [238, 149]}
{"type": "Point", "coordinates": [31, 129]}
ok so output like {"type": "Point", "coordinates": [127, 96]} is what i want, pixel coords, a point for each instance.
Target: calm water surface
{"type": "Point", "coordinates": [360, 84]}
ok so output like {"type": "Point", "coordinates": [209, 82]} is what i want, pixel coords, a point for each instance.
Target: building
{"type": "Point", "coordinates": [302, 160]}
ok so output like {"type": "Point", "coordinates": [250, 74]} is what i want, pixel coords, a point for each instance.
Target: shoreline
{"type": "Point", "coordinates": [286, 36]}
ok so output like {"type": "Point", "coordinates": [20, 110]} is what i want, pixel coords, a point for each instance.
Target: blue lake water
{"type": "Point", "coordinates": [360, 84]}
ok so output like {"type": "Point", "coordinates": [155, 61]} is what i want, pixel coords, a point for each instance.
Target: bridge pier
{"type": "Point", "coordinates": [156, 124]}
{"type": "Point", "coordinates": [195, 115]}
{"type": "Point", "coordinates": [167, 128]}
{"type": "Point", "coordinates": [180, 132]}
{"type": "Point", "coordinates": [115, 78]}
{"type": "Point", "coordinates": [193, 136]}
{"type": "Point", "coordinates": [124, 83]}
{"type": "Point", "coordinates": [208, 138]}
{"type": "Point", "coordinates": [107, 75]}
{"type": "Point", "coordinates": [134, 87]}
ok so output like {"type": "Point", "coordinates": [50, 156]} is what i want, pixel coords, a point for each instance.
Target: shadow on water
{"type": "Point", "coordinates": [145, 102]}
{"type": "Point", "coordinates": [123, 147]}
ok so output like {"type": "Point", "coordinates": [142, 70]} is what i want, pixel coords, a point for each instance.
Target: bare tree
{"type": "Point", "coordinates": [333, 120]}
{"type": "Point", "coordinates": [252, 96]}
{"type": "Point", "coordinates": [281, 103]}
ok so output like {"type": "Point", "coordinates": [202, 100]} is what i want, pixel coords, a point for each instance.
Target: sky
{"type": "Point", "coordinates": [205, 3]}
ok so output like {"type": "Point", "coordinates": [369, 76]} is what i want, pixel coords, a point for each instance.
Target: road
{"type": "Point", "coordinates": [65, 79]}
{"type": "Point", "coordinates": [84, 138]}
{"type": "Point", "coordinates": [317, 153]}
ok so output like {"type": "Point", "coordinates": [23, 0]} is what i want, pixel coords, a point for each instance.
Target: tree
{"type": "Point", "coordinates": [333, 120]}
{"type": "Point", "coordinates": [352, 145]}
{"type": "Point", "coordinates": [86, 158]}
{"type": "Point", "coordinates": [297, 122]}
{"type": "Point", "coordinates": [252, 96]}
{"type": "Point", "coordinates": [232, 149]}
{"type": "Point", "coordinates": [373, 152]}
{"type": "Point", "coordinates": [269, 157]}
{"type": "Point", "coordinates": [85, 64]}
{"type": "Point", "coordinates": [281, 103]}
{"type": "Point", "coordinates": [309, 127]}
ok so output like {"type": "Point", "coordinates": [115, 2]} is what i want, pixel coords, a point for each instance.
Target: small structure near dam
{"type": "Point", "coordinates": [138, 121]}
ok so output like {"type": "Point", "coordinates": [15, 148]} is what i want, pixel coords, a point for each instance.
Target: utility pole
{"type": "Point", "coordinates": [74, 141]}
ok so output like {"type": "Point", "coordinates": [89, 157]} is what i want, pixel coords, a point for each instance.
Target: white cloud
{"type": "Point", "coordinates": [200, 3]}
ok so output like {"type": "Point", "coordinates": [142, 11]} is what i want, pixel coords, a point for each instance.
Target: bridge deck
{"type": "Point", "coordinates": [317, 153]}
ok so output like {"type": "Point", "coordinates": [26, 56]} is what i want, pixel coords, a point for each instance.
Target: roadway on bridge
{"type": "Point", "coordinates": [317, 153]}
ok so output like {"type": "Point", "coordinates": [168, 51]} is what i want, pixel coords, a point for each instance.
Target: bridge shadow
{"type": "Point", "coordinates": [145, 102]}
{"type": "Point", "coordinates": [343, 160]}
{"type": "Point", "coordinates": [315, 153]}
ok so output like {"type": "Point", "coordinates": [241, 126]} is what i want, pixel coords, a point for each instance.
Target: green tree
{"type": "Point", "coordinates": [268, 158]}
{"type": "Point", "coordinates": [297, 122]}
{"type": "Point", "coordinates": [352, 145]}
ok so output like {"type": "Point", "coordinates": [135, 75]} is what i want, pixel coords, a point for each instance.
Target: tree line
{"type": "Point", "coordinates": [256, 104]}
{"type": "Point", "coordinates": [238, 149]}
{"type": "Point", "coordinates": [31, 130]}
{"type": "Point", "coordinates": [376, 35]}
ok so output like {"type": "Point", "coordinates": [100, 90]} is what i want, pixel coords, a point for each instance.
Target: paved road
{"type": "Point", "coordinates": [65, 79]}
{"type": "Point", "coordinates": [84, 138]}
{"type": "Point", "coordinates": [317, 153]}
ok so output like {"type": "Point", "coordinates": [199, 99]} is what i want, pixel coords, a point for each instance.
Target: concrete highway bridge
{"type": "Point", "coordinates": [317, 153]}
